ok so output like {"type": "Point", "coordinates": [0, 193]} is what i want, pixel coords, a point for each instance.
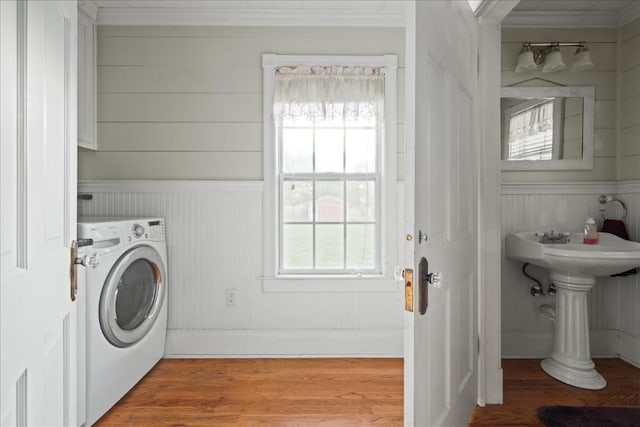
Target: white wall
{"type": "Point", "coordinates": [613, 303]}
{"type": "Point", "coordinates": [630, 100]}
{"type": "Point", "coordinates": [186, 102]}
{"type": "Point", "coordinates": [525, 331]}
{"type": "Point", "coordinates": [602, 43]}
{"type": "Point", "coordinates": [630, 170]}
{"type": "Point", "coordinates": [214, 237]}
{"type": "Point", "coordinates": [629, 287]}
{"type": "Point", "coordinates": [562, 200]}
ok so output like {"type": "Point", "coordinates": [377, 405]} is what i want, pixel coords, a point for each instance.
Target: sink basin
{"type": "Point", "coordinates": [574, 267]}
{"type": "Point", "coordinates": [611, 255]}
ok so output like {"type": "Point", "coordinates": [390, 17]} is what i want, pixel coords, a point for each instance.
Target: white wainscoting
{"type": "Point", "coordinates": [526, 332]}
{"type": "Point", "coordinates": [214, 238]}
{"type": "Point", "coordinates": [629, 313]}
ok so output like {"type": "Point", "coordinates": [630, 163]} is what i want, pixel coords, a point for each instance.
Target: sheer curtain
{"type": "Point", "coordinates": [328, 92]}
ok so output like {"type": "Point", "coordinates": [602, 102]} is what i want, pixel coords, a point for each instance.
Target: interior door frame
{"type": "Point", "coordinates": [490, 14]}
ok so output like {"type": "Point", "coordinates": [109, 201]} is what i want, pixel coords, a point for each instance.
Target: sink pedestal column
{"type": "Point", "coordinates": [570, 361]}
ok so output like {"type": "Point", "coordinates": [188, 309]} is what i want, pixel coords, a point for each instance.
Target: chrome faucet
{"type": "Point", "coordinates": [553, 237]}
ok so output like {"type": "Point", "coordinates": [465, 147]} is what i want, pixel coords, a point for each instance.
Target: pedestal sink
{"type": "Point", "coordinates": [574, 267]}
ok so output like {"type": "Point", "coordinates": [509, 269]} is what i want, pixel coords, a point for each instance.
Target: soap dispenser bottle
{"type": "Point", "coordinates": [590, 232]}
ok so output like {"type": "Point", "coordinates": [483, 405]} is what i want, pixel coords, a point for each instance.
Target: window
{"type": "Point", "coordinates": [534, 129]}
{"type": "Point", "coordinates": [329, 165]}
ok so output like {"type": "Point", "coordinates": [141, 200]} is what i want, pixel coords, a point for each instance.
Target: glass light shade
{"type": "Point", "coordinates": [526, 61]}
{"type": "Point", "coordinates": [581, 60]}
{"type": "Point", "coordinates": [553, 61]}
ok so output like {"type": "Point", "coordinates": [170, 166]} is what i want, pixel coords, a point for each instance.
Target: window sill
{"type": "Point", "coordinates": [324, 284]}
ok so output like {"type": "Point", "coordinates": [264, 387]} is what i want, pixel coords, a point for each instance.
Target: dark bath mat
{"type": "Point", "coordinates": [588, 416]}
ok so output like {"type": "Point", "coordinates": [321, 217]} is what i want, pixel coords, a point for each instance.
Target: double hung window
{"type": "Point", "coordinates": [329, 168]}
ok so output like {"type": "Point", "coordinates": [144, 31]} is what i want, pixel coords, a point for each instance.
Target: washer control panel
{"type": "Point", "coordinates": [146, 230]}
{"type": "Point", "coordinates": [110, 233]}
{"type": "Point", "coordinates": [156, 229]}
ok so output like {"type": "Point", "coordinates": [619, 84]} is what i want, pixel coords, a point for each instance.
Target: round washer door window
{"type": "Point", "coordinates": [132, 296]}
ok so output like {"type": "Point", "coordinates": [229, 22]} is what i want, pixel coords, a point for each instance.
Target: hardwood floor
{"type": "Point", "coordinates": [265, 392]}
{"type": "Point", "coordinates": [526, 387]}
{"type": "Point", "coordinates": [336, 392]}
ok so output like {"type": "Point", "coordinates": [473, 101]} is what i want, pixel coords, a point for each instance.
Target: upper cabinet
{"type": "Point", "coordinates": [87, 81]}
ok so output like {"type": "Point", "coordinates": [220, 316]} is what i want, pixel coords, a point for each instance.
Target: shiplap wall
{"type": "Point", "coordinates": [214, 238]}
{"type": "Point", "coordinates": [630, 100]}
{"type": "Point", "coordinates": [602, 44]}
{"type": "Point", "coordinates": [186, 102]}
{"type": "Point", "coordinates": [526, 332]}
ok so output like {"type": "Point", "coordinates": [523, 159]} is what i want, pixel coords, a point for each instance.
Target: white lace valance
{"type": "Point", "coordinates": [328, 92]}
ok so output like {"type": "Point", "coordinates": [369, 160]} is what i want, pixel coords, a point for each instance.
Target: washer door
{"type": "Point", "coordinates": [132, 296]}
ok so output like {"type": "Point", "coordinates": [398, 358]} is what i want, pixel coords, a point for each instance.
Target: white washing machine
{"type": "Point", "coordinates": [126, 305]}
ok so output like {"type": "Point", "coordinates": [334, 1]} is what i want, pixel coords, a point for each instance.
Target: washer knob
{"type": "Point", "coordinates": [138, 230]}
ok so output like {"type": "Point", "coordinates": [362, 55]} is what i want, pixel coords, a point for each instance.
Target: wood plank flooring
{"type": "Point", "coordinates": [336, 392]}
{"type": "Point", "coordinates": [526, 387]}
{"type": "Point", "coordinates": [265, 392]}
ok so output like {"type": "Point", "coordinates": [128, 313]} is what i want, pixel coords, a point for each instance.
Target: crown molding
{"type": "Point", "coordinates": [564, 19]}
{"type": "Point", "coordinates": [184, 16]}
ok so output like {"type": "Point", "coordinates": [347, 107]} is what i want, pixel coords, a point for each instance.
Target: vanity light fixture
{"type": "Point", "coordinates": [548, 54]}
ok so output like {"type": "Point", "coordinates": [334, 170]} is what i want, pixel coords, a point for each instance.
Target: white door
{"type": "Point", "coordinates": [38, 192]}
{"type": "Point", "coordinates": [441, 346]}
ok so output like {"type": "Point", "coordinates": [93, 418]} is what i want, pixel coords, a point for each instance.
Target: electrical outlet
{"type": "Point", "coordinates": [231, 296]}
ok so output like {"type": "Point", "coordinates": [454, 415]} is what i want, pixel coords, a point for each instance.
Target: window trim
{"type": "Point", "coordinates": [272, 280]}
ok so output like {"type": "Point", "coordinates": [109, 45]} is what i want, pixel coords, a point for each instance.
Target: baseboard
{"type": "Point", "coordinates": [538, 345]}
{"type": "Point", "coordinates": [629, 349]}
{"type": "Point", "coordinates": [495, 394]}
{"type": "Point", "coordinates": [254, 343]}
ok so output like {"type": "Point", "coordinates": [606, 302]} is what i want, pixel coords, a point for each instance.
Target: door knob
{"type": "Point", "coordinates": [435, 279]}
{"type": "Point", "coordinates": [422, 237]}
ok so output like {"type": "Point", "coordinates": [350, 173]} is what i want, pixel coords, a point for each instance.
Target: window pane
{"type": "Point", "coordinates": [361, 150]}
{"type": "Point", "coordinates": [329, 150]}
{"type": "Point", "coordinates": [330, 201]}
{"type": "Point", "coordinates": [297, 197]}
{"type": "Point", "coordinates": [360, 246]}
{"type": "Point", "coordinates": [297, 246]}
{"type": "Point", "coordinates": [297, 150]}
{"type": "Point", "coordinates": [329, 246]}
{"type": "Point", "coordinates": [361, 201]}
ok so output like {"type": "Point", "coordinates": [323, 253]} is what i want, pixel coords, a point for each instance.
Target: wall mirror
{"type": "Point", "coordinates": [547, 128]}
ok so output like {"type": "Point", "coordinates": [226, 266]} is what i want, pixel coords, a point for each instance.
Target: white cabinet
{"type": "Point", "coordinates": [87, 81]}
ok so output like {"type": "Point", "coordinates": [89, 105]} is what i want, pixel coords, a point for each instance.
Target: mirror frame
{"type": "Point", "coordinates": [587, 93]}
